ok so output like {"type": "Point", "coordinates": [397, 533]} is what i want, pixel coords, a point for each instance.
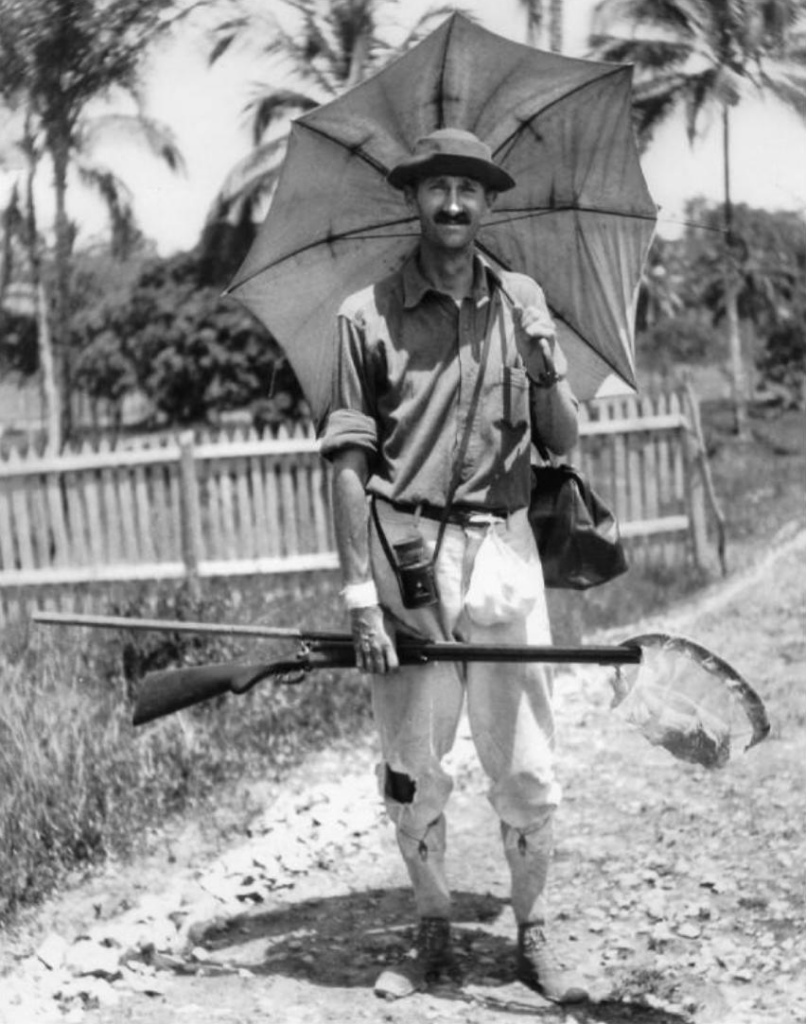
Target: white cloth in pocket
{"type": "Point", "coordinates": [503, 584]}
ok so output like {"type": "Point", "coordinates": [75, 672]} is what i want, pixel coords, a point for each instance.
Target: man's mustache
{"type": "Point", "coordinates": [451, 218]}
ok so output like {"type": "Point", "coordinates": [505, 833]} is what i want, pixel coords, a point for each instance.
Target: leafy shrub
{"type": "Point", "coordinates": [190, 351]}
{"type": "Point", "coordinates": [782, 364]}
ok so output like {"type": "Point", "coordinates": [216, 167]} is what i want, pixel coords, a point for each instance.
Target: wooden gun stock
{"type": "Point", "coordinates": [161, 693]}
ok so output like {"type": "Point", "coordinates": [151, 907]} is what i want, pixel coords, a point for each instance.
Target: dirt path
{"type": "Point", "coordinates": [681, 893]}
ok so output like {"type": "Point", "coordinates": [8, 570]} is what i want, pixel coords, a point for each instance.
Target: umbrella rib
{"type": "Point", "coordinates": [356, 150]}
{"type": "Point", "coordinates": [581, 336]}
{"type": "Point", "coordinates": [524, 213]}
{"type": "Point", "coordinates": [442, 69]}
{"type": "Point", "coordinates": [560, 99]}
{"type": "Point", "coordinates": [354, 234]}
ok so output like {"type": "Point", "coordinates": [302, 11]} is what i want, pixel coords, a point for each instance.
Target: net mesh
{"type": "Point", "coordinates": [684, 698]}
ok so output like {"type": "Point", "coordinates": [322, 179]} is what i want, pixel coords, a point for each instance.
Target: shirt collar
{"type": "Point", "coordinates": [415, 285]}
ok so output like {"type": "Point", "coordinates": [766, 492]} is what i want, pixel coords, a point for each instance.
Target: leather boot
{"type": "Point", "coordinates": [425, 963]}
{"type": "Point", "coordinates": [539, 968]}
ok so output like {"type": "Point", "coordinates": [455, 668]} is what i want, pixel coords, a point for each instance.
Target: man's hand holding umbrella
{"type": "Point", "coordinates": [537, 337]}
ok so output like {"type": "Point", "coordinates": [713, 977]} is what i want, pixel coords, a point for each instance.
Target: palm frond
{"type": "Point", "coordinates": [649, 54]}
{"type": "Point", "coordinates": [699, 92]}
{"type": "Point", "coordinates": [222, 46]}
{"type": "Point", "coordinates": [158, 137]}
{"type": "Point", "coordinates": [787, 82]}
{"type": "Point", "coordinates": [676, 17]}
{"type": "Point", "coordinates": [250, 179]}
{"type": "Point", "coordinates": [113, 190]}
{"type": "Point", "coordinates": [302, 57]}
{"type": "Point", "coordinates": [118, 199]}
{"type": "Point", "coordinates": [427, 21]}
{"type": "Point", "coordinates": [267, 108]}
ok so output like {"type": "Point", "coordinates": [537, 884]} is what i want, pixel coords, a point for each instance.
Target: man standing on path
{"type": "Point", "coordinates": [446, 371]}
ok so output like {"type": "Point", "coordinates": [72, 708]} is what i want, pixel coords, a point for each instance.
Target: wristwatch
{"type": "Point", "coordinates": [548, 378]}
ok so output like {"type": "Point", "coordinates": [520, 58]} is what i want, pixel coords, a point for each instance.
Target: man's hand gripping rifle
{"type": "Point", "coordinates": [678, 694]}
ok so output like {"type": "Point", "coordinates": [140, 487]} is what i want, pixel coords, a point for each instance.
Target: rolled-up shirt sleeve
{"type": "Point", "coordinates": [351, 421]}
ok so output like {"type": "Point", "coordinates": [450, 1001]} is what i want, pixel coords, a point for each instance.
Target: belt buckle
{"type": "Point", "coordinates": [480, 519]}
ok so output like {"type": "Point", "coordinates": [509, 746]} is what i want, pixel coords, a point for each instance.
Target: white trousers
{"type": "Point", "coordinates": [418, 708]}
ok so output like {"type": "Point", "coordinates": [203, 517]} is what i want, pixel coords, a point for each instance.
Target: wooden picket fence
{"type": "Point", "coordinates": [193, 507]}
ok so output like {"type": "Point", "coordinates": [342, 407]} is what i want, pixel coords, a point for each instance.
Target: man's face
{"type": "Point", "coordinates": [450, 208]}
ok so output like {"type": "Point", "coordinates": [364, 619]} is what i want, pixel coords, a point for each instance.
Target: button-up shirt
{"type": "Point", "coordinates": [409, 360]}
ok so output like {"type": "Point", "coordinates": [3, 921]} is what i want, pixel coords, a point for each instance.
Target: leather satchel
{"type": "Point", "coordinates": [577, 534]}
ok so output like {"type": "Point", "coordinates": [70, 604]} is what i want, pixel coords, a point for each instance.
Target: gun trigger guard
{"type": "Point", "coordinates": [246, 680]}
{"type": "Point", "coordinates": [300, 663]}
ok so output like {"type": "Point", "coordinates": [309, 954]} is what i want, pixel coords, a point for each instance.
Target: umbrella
{"type": "Point", "coordinates": [579, 220]}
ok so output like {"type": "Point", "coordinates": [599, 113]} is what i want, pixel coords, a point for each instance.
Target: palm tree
{"type": "Point", "coordinates": [556, 15]}
{"type": "Point", "coordinates": [700, 55]}
{"type": "Point", "coordinates": [535, 13]}
{"type": "Point", "coordinates": [544, 23]}
{"type": "Point", "coordinates": [57, 57]}
{"type": "Point", "coordinates": [324, 48]}
{"type": "Point", "coordinates": [21, 220]}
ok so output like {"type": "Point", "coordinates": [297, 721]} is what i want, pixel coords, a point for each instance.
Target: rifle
{"type": "Point", "coordinates": [162, 693]}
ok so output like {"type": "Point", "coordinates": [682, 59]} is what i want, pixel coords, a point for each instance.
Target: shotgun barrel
{"type": "Point", "coordinates": [178, 626]}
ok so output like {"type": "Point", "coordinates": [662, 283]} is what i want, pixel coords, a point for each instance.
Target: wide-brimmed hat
{"type": "Point", "coordinates": [451, 151]}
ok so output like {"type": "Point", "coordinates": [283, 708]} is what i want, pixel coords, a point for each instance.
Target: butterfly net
{"type": "Point", "coordinates": [684, 698]}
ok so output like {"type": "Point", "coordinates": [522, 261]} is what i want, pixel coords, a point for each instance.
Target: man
{"type": "Point", "coordinates": [445, 370]}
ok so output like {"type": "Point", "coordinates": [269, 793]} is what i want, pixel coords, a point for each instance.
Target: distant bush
{"type": "Point", "coordinates": [190, 351]}
{"type": "Point", "coordinates": [782, 364]}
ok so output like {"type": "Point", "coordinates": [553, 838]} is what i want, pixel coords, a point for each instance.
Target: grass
{"type": "Point", "coordinates": [761, 483]}
{"type": "Point", "coordinates": [78, 784]}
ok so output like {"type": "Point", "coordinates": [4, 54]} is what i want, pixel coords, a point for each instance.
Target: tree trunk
{"type": "Point", "coordinates": [7, 255]}
{"type": "Point", "coordinates": [535, 22]}
{"type": "Point", "coordinates": [358, 61]}
{"type": "Point", "coordinates": [556, 26]}
{"type": "Point", "coordinates": [731, 284]}
{"type": "Point", "coordinates": [48, 368]}
{"type": "Point", "coordinates": [50, 390]}
{"type": "Point", "coordinates": [59, 151]}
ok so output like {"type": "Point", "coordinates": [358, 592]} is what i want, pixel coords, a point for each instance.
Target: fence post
{"type": "Point", "coordinates": [701, 463]}
{"type": "Point", "coordinates": [190, 531]}
{"type": "Point", "coordinates": [695, 486]}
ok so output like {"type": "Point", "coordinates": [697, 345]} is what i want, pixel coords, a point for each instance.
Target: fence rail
{"type": "Point", "coordinates": [210, 506]}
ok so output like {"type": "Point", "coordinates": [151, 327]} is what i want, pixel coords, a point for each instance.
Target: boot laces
{"type": "Point", "coordinates": [540, 968]}
{"type": "Point", "coordinates": [536, 947]}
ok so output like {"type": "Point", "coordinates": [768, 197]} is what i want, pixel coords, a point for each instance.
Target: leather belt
{"type": "Point", "coordinates": [458, 515]}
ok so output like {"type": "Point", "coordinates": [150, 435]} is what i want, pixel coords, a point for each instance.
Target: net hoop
{"type": "Point", "coordinates": [699, 716]}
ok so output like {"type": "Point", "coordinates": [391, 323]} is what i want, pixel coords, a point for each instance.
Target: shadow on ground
{"type": "Point", "coordinates": [345, 941]}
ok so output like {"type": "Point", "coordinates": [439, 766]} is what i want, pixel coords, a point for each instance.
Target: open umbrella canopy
{"type": "Point", "coordinates": [579, 220]}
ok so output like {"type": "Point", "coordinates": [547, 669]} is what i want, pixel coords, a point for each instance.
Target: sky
{"type": "Point", "coordinates": [203, 106]}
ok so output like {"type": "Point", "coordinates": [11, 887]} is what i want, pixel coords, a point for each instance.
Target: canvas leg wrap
{"type": "Point", "coordinates": [528, 852]}
{"type": "Point", "coordinates": [424, 856]}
